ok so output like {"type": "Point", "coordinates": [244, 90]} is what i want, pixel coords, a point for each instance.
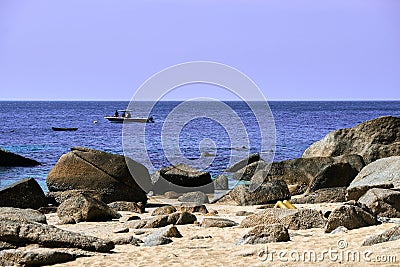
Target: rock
{"type": "Point", "coordinates": [56, 198]}
{"type": "Point", "coordinates": [267, 192]}
{"type": "Point", "coordinates": [5, 245]}
{"type": "Point", "coordinates": [83, 208]}
{"type": "Point", "coordinates": [243, 163]}
{"type": "Point", "coordinates": [221, 183]}
{"type": "Point", "coordinates": [391, 234]}
{"type": "Point", "coordinates": [23, 194]}
{"type": "Point", "coordinates": [9, 159]}
{"type": "Point", "coordinates": [164, 210]}
{"type": "Point", "coordinates": [302, 171]}
{"type": "Point", "coordinates": [167, 231]}
{"type": "Point", "coordinates": [199, 237]}
{"type": "Point", "coordinates": [121, 230]}
{"type": "Point", "coordinates": [35, 257]}
{"type": "Point", "coordinates": [22, 215]}
{"type": "Point", "coordinates": [217, 222]}
{"type": "Point", "coordinates": [181, 178]}
{"type": "Point", "coordinates": [48, 210]}
{"type": "Point", "coordinates": [171, 195]}
{"type": "Point", "coordinates": [247, 172]}
{"type": "Point", "coordinates": [127, 206]}
{"type": "Point", "coordinates": [291, 219]}
{"type": "Point", "coordinates": [263, 234]}
{"type": "Point", "coordinates": [179, 218]}
{"type": "Point", "coordinates": [382, 202]}
{"type": "Point", "coordinates": [351, 217]}
{"type": "Point", "coordinates": [325, 195]}
{"type": "Point", "coordinates": [354, 193]}
{"type": "Point", "coordinates": [155, 222]}
{"type": "Point", "coordinates": [374, 139]}
{"type": "Point", "coordinates": [49, 236]}
{"type": "Point", "coordinates": [378, 173]}
{"type": "Point", "coordinates": [340, 229]}
{"type": "Point", "coordinates": [127, 240]}
{"type": "Point", "coordinates": [133, 218]}
{"type": "Point", "coordinates": [196, 197]}
{"type": "Point", "coordinates": [157, 241]}
{"type": "Point", "coordinates": [336, 175]}
{"type": "Point", "coordinates": [243, 213]}
{"type": "Point", "coordinates": [88, 169]}
{"type": "Point", "coordinates": [192, 208]}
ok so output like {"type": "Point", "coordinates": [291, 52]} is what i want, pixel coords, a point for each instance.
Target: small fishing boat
{"type": "Point", "coordinates": [61, 129]}
{"type": "Point", "coordinates": [122, 116]}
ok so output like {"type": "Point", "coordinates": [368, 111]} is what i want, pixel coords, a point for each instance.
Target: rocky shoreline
{"type": "Point", "coordinates": [104, 209]}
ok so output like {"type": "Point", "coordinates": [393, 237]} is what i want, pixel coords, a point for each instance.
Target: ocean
{"type": "Point", "coordinates": [26, 130]}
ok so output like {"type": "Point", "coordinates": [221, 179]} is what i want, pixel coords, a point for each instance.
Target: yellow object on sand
{"type": "Point", "coordinates": [284, 205]}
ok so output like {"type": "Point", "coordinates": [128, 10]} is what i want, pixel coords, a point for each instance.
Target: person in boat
{"type": "Point", "coordinates": [128, 115]}
{"type": "Point", "coordinates": [116, 114]}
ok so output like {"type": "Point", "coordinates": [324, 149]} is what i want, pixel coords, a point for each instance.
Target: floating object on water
{"type": "Point", "coordinates": [284, 205]}
{"type": "Point", "coordinates": [126, 116]}
{"type": "Point", "coordinates": [59, 129]}
{"type": "Point", "coordinates": [95, 122]}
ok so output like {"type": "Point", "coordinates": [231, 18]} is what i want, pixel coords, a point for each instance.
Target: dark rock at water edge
{"type": "Point", "coordinates": [267, 192]}
{"type": "Point", "coordinates": [381, 172]}
{"type": "Point", "coordinates": [9, 159]}
{"type": "Point", "coordinates": [391, 234]}
{"type": "Point", "coordinates": [244, 162]}
{"type": "Point", "coordinates": [117, 177]}
{"type": "Point", "coordinates": [49, 236]}
{"type": "Point", "coordinates": [292, 219]}
{"type": "Point", "coordinates": [263, 234]}
{"type": "Point", "coordinates": [83, 208]}
{"type": "Point", "coordinates": [22, 215]}
{"type": "Point", "coordinates": [325, 195]}
{"type": "Point", "coordinates": [351, 217]}
{"type": "Point", "coordinates": [221, 183]}
{"type": "Point", "coordinates": [181, 178]}
{"type": "Point", "coordinates": [382, 202]}
{"type": "Point", "coordinates": [23, 194]}
{"type": "Point", "coordinates": [247, 172]}
{"type": "Point", "coordinates": [195, 197]}
{"type": "Point", "coordinates": [374, 139]}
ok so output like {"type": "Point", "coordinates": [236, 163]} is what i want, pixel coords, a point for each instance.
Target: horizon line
{"type": "Point", "coordinates": [180, 100]}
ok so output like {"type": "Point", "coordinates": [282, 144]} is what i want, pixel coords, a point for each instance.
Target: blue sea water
{"type": "Point", "coordinates": [25, 128]}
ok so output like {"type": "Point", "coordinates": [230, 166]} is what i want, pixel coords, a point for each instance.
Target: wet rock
{"type": "Point", "coordinates": [267, 192]}
{"type": "Point", "coordinates": [195, 197]}
{"type": "Point", "coordinates": [391, 234]}
{"type": "Point", "coordinates": [49, 236]}
{"type": "Point", "coordinates": [127, 206]}
{"type": "Point", "coordinates": [291, 219]}
{"type": "Point", "coordinates": [9, 159]}
{"type": "Point", "coordinates": [244, 162]}
{"type": "Point", "coordinates": [164, 210]}
{"type": "Point", "coordinates": [382, 202]}
{"type": "Point", "coordinates": [22, 215]}
{"type": "Point", "coordinates": [351, 217]}
{"type": "Point", "coordinates": [23, 194]}
{"type": "Point", "coordinates": [116, 177]}
{"type": "Point", "coordinates": [263, 234]}
{"type": "Point", "coordinates": [83, 208]}
{"type": "Point", "coordinates": [217, 222]}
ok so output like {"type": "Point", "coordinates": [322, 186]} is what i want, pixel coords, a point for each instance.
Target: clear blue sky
{"type": "Point", "coordinates": [104, 50]}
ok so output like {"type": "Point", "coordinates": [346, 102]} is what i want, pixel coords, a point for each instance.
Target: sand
{"type": "Point", "coordinates": [221, 249]}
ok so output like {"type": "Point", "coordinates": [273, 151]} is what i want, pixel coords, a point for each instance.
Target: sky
{"type": "Point", "coordinates": [292, 50]}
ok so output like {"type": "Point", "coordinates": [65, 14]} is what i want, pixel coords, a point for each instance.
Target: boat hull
{"type": "Point", "coordinates": [124, 120]}
{"type": "Point", "coordinates": [58, 129]}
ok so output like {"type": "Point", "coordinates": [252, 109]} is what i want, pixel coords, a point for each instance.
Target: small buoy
{"type": "Point", "coordinates": [95, 122]}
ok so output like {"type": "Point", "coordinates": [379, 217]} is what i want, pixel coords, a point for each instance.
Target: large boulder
{"type": "Point", "coordinates": [23, 194]}
{"type": "Point", "coordinates": [196, 197]}
{"type": "Point", "coordinates": [262, 234]}
{"type": "Point", "coordinates": [390, 234]}
{"type": "Point", "coordinates": [380, 173]}
{"type": "Point", "coordinates": [83, 208]}
{"type": "Point", "coordinates": [181, 178]}
{"type": "Point", "coordinates": [354, 193]}
{"type": "Point", "coordinates": [292, 219]}
{"type": "Point", "coordinates": [382, 202]}
{"type": "Point", "coordinates": [247, 172]}
{"type": "Point", "coordinates": [302, 172]}
{"type": "Point", "coordinates": [221, 183]}
{"type": "Point", "coordinates": [9, 159]}
{"type": "Point", "coordinates": [243, 163]}
{"type": "Point", "coordinates": [324, 195]}
{"type": "Point", "coordinates": [49, 236]}
{"type": "Point", "coordinates": [374, 139]}
{"type": "Point", "coordinates": [22, 215]}
{"type": "Point", "coordinates": [351, 217]}
{"type": "Point", "coordinates": [117, 177]}
{"type": "Point", "coordinates": [267, 192]}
